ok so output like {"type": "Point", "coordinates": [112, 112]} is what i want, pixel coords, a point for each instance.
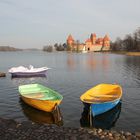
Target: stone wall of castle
{"type": "Point", "coordinates": [91, 44]}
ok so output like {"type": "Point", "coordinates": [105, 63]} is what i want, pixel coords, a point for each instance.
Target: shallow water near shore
{"type": "Point", "coordinates": [71, 74]}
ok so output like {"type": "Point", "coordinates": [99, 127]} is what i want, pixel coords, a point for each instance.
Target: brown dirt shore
{"type": "Point", "coordinates": [12, 130]}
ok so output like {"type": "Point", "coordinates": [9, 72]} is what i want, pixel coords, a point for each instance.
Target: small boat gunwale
{"type": "Point", "coordinates": [95, 99]}
{"type": "Point", "coordinates": [98, 102]}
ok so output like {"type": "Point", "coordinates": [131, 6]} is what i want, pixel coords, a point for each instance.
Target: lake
{"type": "Point", "coordinates": [71, 74]}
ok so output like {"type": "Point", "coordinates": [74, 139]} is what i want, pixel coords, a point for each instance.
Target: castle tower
{"type": "Point", "coordinates": [106, 41]}
{"type": "Point", "coordinates": [70, 40]}
{"type": "Point", "coordinates": [93, 38]}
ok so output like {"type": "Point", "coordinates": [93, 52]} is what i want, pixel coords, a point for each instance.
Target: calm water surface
{"type": "Point", "coordinates": [71, 75]}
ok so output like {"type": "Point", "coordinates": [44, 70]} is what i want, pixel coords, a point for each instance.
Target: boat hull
{"type": "Point", "coordinates": [100, 108]}
{"type": "Point", "coordinates": [44, 105]}
{"type": "Point", "coordinates": [104, 121]}
{"type": "Point", "coordinates": [29, 74]}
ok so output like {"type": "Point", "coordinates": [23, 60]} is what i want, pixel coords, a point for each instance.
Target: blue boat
{"type": "Point", "coordinates": [102, 97]}
{"type": "Point", "coordinates": [103, 107]}
{"type": "Point", "coordinates": [104, 121]}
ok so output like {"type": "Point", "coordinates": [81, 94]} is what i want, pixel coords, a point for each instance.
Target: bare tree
{"type": "Point", "coordinates": [129, 43]}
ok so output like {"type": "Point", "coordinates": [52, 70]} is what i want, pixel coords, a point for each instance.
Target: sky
{"type": "Point", "coordinates": [36, 23]}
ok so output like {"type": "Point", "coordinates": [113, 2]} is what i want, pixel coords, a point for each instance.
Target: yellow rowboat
{"type": "Point", "coordinates": [40, 116]}
{"type": "Point", "coordinates": [102, 97]}
{"type": "Point", "coordinates": [40, 97]}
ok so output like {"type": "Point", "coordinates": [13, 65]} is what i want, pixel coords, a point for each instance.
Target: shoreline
{"type": "Point", "coordinates": [127, 53]}
{"type": "Point", "coordinates": [133, 53]}
{"type": "Point", "coordinates": [11, 129]}
{"type": "Point", "coordinates": [114, 52]}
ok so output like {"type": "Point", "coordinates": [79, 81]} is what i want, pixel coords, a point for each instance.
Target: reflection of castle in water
{"type": "Point", "coordinates": [39, 116]}
{"type": "Point", "coordinates": [105, 121]}
{"type": "Point", "coordinates": [90, 62]}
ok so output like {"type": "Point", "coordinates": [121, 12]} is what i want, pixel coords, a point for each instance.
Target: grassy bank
{"type": "Point", "coordinates": [133, 53]}
{"type": "Point", "coordinates": [127, 53]}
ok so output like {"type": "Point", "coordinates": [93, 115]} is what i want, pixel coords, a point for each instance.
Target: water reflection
{"type": "Point", "coordinates": [92, 62]}
{"type": "Point", "coordinates": [97, 62]}
{"type": "Point", "coordinates": [39, 116]}
{"type": "Point", "coordinates": [132, 69]}
{"type": "Point", "coordinates": [70, 62]}
{"type": "Point", "coordinates": [27, 80]}
{"type": "Point", "coordinates": [28, 76]}
{"type": "Point", "coordinates": [89, 61]}
{"type": "Point", "coordinates": [105, 62]}
{"type": "Point", "coordinates": [105, 121]}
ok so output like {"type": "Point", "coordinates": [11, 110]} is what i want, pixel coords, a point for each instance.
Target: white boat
{"type": "Point", "coordinates": [24, 71]}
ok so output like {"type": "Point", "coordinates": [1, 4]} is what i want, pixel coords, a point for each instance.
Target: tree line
{"type": "Point", "coordinates": [55, 47]}
{"type": "Point", "coordinates": [131, 42]}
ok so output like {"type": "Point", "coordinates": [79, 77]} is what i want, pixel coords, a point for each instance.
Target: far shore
{"type": "Point", "coordinates": [12, 49]}
{"type": "Point", "coordinates": [127, 53]}
{"type": "Point", "coordinates": [133, 53]}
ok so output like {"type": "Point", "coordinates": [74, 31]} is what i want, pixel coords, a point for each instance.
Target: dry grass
{"type": "Point", "coordinates": [133, 53]}
{"type": "Point", "coordinates": [127, 53]}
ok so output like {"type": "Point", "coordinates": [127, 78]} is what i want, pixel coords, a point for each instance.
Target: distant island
{"type": "Point", "coordinates": [130, 45]}
{"type": "Point", "coordinates": [92, 44]}
{"type": "Point", "coordinates": [8, 48]}
{"type": "Point", "coordinates": [31, 49]}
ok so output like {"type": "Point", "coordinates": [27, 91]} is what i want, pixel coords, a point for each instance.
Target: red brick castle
{"type": "Point", "coordinates": [91, 44]}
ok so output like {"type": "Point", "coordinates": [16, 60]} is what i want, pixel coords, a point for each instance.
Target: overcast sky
{"type": "Point", "coordinates": [35, 23]}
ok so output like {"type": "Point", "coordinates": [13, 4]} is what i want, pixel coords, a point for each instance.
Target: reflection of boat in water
{"type": "Point", "coordinates": [39, 116]}
{"type": "Point", "coordinates": [29, 76]}
{"type": "Point", "coordinates": [105, 121]}
{"type": "Point", "coordinates": [25, 80]}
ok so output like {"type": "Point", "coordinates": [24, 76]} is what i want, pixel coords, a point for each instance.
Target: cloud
{"type": "Point", "coordinates": [50, 20]}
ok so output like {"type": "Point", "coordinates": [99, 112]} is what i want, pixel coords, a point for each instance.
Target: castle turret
{"type": "Point", "coordinates": [70, 40]}
{"type": "Point", "coordinates": [106, 41]}
{"type": "Point", "coordinates": [93, 38]}
{"type": "Point", "coordinates": [88, 42]}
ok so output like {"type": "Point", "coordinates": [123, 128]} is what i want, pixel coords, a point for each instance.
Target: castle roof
{"type": "Point", "coordinates": [70, 38]}
{"type": "Point", "coordinates": [88, 40]}
{"type": "Point", "coordinates": [106, 37]}
{"type": "Point", "coordinates": [100, 39]}
{"type": "Point", "coordinates": [93, 35]}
